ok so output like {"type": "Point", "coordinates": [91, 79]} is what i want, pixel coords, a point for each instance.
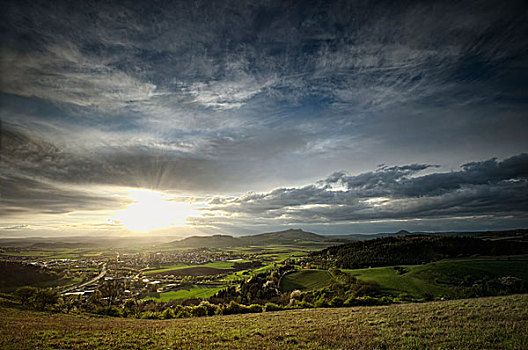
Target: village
{"type": "Point", "coordinates": [119, 274]}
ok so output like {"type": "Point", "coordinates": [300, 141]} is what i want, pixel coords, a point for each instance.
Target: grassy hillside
{"type": "Point", "coordinates": [295, 237]}
{"type": "Point", "coordinates": [455, 278]}
{"type": "Point", "coordinates": [412, 250]}
{"type": "Point", "coordinates": [305, 279]}
{"type": "Point", "coordinates": [448, 278]}
{"type": "Point", "coordinates": [485, 323]}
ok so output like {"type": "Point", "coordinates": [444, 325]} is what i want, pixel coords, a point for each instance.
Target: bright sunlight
{"type": "Point", "coordinates": [154, 210]}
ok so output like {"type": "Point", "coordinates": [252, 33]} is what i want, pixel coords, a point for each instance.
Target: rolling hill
{"type": "Point", "coordinates": [413, 249]}
{"type": "Point", "coordinates": [292, 236]}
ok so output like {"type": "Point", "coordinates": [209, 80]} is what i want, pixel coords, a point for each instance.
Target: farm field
{"type": "Point", "coordinates": [176, 267]}
{"type": "Point", "coordinates": [484, 323]}
{"type": "Point", "coordinates": [201, 292]}
{"type": "Point", "coordinates": [305, 279]}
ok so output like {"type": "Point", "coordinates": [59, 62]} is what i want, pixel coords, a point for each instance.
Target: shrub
{"type": "Point", "coordinates": [233, 308]}
{"type": "Point", "coordinates": [150, 315]}
{"type": "Point", "coordinates": [199, 311]}
{"type": "Point", "coordinates": [211, 308]}
{"type": "Point", "coordinates": [336, 302]}
{"type": "Point", "coordinates": [111, 310]}
{"type": "Point", "coordinates": [254, 308]}
{"type": "Point", "coordinates": [352, 301]}
{"type": "Point", "coordinates": [44, 298]}
{"type": "Point", "coordinates": [304, 305]}
{"type": "Point", "coordinates": [130, 308]}
{"type": "Point", "coordinates": [321, 302]}
{"type": "Point", "coordinates": [272, 307]}
{"type": "Point", "coordinates": [296, 294]}
{"type": "Point", "coordinates": [167, 314]}
{"type": "Point", "coordinates": [368, 300]}
{"type": "Point", "coordinates": [184, 312]}
{"type": "Point", "coordinates": [26, 294]}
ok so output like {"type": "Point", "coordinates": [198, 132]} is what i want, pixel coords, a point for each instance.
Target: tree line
{"type": "Point", "coordinates": [411, 250]}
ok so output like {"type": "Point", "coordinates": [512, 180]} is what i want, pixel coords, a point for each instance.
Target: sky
{"type": "Point", "coordinates": [239, 117]}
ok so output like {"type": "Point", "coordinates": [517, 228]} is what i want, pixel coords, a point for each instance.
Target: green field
{"type": "Point", "coordinates": [484, 323]}
{"type": "Point", "coordinates": [305, 279]}
{"type": "Point", "coordinates": [216, 265]}
{"type": "Point", "coordinates": [201, 292]}
{"type": "Point", "coordinates": [439, 278]}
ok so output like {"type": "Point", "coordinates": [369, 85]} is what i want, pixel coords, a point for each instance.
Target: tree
{"type": "Point", "coordinates": [69, 302]}
{"type": "Point", "coordinates": [26, 294]}
{"type": "Point", "coordinates": [130, 308]}
{"type": "Point", "coordinates": [111, 289]}
{"type": "Point", "coordinates": [45, 297]}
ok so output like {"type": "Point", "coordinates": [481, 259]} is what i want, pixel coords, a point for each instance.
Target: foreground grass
{"type": "Point", "coordinates": [485, 323]}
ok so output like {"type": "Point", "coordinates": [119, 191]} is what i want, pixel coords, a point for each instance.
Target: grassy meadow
{"type": "Point", "coordinates": [202, 292]}
{"type": "Point", "coordinates": [483, 323]}
{"type": "Point", "coordinates": [305, 279]}
{"type": "Point", "coordinates": [438, 279]}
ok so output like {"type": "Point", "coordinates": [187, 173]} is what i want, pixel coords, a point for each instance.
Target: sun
{"type": "Point", "coordinates": [153, 210]}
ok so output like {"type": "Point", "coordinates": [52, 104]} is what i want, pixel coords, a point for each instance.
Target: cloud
{"type": "Point", "coordinates": [63, 75]}
{"type": "Point", "coordinates": [491, 187]}
{"type": "Point", "coordinates": [193, 165]}
{"type": "Point", "coordinates": [27, 197]}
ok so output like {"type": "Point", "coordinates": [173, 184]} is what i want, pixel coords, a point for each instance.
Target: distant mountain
{"type": "Point", "coordinates": [514, 235]}
{"type": "Point", "coordinates": [368, 236]}
{"type": "Point", "coordinates": [291, 236]}
{"type": "Point", "coordinates": [287, 236]}
{"type": "Point", "coordinates": [214, 241]}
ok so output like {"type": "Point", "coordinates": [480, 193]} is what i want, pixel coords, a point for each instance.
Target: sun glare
{"type": "Point", "coordinates": [154, 210]}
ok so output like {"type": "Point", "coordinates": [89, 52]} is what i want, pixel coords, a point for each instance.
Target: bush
{"type": "Point", "coordinates": [184, 312]}
{"type": "Point", "coordinates": [368, 300]}
{"type": "Point", "coordinates": [304, 305]}
{"type": "Point", "coordinates": [352, 301]}
{"type": "Point", "coordinates": [254, 308]}
{"type": "Point", "coordinates": [112, 310]}
{"type": "Point", "coordinates": [272, 307]}
{"type": "Point", "coordinates": [167, 314]}
{"type": "Point", "coordinates": [211, 308]}
{"type": "Point", "coordinates": [296, 294]}
{"type": "Point", "coordinates": [130, 308]}
{"type": "Point", "coordinates": [45, 298]}
{"type": "Point", "coordinates": [199, 311]}
{"type": "Point", "coordinates": [26, 294]}
{"type": "Point", "coordinates": [150, 315]}
{"type": "Point", "coordinates": [321, 302]}
{"type": "Point", "coordinates": [336, 302]}
{"type": "Point", "coordinates": [233, 308]}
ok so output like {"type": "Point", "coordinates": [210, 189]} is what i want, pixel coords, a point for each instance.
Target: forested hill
{"type": "Point", "coordinates": [412, 250]}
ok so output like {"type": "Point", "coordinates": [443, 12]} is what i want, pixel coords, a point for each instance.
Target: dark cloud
{"type": "Point", "coordinates": [496, 188]}
{"type": "Point", "coordinates": [157, 165]}
{"type": "Point", "coordinates": [26, 197]}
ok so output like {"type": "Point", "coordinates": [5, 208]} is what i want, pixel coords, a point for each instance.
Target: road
{"type": "Point", "coordinates": [93, 280]}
